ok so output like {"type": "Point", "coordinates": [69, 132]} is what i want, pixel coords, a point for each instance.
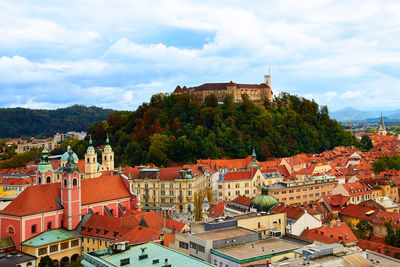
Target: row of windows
{"type": "Point", "coordinates": [304, 196]}
{"type": "Point", "coordinates": [198, 248]}
{"type": "Point", "coordinates": [54, 248]}
{"type": "Point", "coordinates": [163, 186]}
{"type": "Point", "coordinates": [93, 241]}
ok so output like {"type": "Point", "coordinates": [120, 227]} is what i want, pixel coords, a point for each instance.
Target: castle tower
{"type": "Point", "coordinates": [91, 162]}
{"type": "Point", "coordinates": [71, 194]}
{"type": "Point", "coordinates": [382, 129]}
{"type": "Point", "coordinates": [267, 81]}
{"type": "Point", "coordinates": [108, 157]}
{"type": "Point", "coordinates": [45, 172]}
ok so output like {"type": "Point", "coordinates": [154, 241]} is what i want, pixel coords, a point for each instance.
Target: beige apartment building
{"type": "Point", "coordinates": [166, 189]}
{"type": "Point", "coordinates": [27, 145]}
{"type": "Point", "coordinates": [245, 183]}
{"type": "Point", "coordinates": [303, 191]}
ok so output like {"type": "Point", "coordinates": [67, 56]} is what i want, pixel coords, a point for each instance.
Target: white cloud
{"type": "Point", "coordinates": [338, 52]}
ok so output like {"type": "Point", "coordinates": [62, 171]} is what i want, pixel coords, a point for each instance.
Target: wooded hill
{"type": "Point", "coordinates": [175, 128]}
{"type": "Point", "coordinates": [17, 122]}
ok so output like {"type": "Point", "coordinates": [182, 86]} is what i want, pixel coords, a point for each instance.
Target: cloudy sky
{"type": "Point", "coordinates": [116, 54]}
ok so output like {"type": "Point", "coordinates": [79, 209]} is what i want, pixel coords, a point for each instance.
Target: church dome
{"type": "Point", "coordinates": [264, 202]}
{"type": "Point", "coordinates": [65, 155]}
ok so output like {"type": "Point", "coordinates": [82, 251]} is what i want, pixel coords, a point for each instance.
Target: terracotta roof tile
{"type": "Point", "coordinates": [42, 198]}
{"type": "Point", "coordinates": [331, 234]}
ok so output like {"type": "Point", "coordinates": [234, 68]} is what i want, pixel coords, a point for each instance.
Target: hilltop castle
{"type": "Point", "coordinates": [221, 90]}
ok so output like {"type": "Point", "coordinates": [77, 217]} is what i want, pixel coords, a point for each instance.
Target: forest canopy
{"type": "Point", "coordinates": [17, 122]}
{"type": "Point", "coordinates": [176, 128]}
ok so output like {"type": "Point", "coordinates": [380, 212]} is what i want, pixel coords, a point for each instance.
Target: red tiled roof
{"type": "Point", "coordinates": [331, 234]}
{"type": "Point", "coordinates": [104, 227]}
{"type": "Point", "coordinates": [242, 200]}
{"type": "Point", "coordinates": [336, 201]}
{"type": "Point", "coordinates": [218, 210]}
{"type": "Point", "coordinates": [140, 234]}
{"type": "Point", "coordinates": [384, 249]}
{"type": "Point", "coordinates": [16, 181]}
{"type": "Point", "coordinates": [239, 175]}
{"type": "Point", "coordinates": [294, 212]}
{"type": "Point", "coordinates": [42, 198]}
{"type": "Point", "coordinates": [376, 217]}
{"type": "Point", "coordinates": [356, 188]}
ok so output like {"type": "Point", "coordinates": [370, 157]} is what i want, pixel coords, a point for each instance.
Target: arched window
{"type": "Point", "coordinates": [10, 230]}
{"type": "Point", "coordinates": [39, 180]}
{"type": "Point", "coordinates": [48, 180]}
{"type": "Point", "coordinates": [29, 264]}
{"type": "Point", "coordinates": [105, 158]}
{"type": "Point", "coordinates": [75, 182]}
{"type": "Point", "coordinates": [94, 159]}
{"type": "Point", "coordinates": [65, 182]}
{"type": "Point", "coordinates": [88, 160]}
{"type": "Point", "coordinates": [110, 157]}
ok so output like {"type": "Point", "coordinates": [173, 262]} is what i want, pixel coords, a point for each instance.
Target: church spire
{"type": "Point", "coordinates": [382, 124]}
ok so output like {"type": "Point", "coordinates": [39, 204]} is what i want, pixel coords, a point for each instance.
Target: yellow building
{"type": "Point", "coordinates": [166, 188]}
{"type": "Point", "coordinates": [93, 169]}
{"type": "Point", "coordinates": [60, 245]}
{"type": "Point", "coordinates": [92, 243]}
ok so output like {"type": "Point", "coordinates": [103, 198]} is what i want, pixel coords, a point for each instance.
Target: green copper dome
{"type": "Point", "coordinates": [65, 155]}
{"type": "Point", "coordinates": [90, 147]}
{"type": "Point", "coordinates": [45, 165]}
{"type": "Point", "coordinates": [264, 202]}
{"type": "Point", "coordinates": [107, 146]}
{"type": "Point", "coordinates": [70, 167]}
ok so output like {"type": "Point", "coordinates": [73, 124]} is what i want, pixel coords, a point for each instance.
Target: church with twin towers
{"type": "Point", "coordinates": [93, 169]}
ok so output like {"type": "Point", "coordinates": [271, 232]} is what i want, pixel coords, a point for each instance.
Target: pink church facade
{"type": "Point", "coordinates": [49, 206]}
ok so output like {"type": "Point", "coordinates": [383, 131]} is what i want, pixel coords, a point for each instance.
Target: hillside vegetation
{"type": "Point", "coordinates": [175, 128]}
{"type": "Point", "coordinates": [16, 122]}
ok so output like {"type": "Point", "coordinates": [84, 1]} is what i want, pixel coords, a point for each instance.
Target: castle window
{"type": "Point", "coordinates": [10, 230]}
{"type": "Point", "coordinates": [48, 180]}
{"type": "Point", "coordinates": [75, 182]}
{"type": "Point", "coordinates": [65, 182]}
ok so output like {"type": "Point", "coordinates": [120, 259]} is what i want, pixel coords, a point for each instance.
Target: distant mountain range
{"type": "Point", "coordinates": [352, 114]}
{"type": "Point", "coordinates": [16, 122]}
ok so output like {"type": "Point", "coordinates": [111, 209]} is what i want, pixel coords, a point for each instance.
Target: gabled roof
{"type": "Point", "coordinates": [356, 188]}
{"type": "Point", "coordinates": [336, 202]}
{"type": "Point", "coordinates": [218, 210]}
{"type": "Point", "coordinates": [293, 212]}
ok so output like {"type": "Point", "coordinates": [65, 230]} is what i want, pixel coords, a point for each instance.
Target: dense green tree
{"type": "Point", "coordinates": [46, 261]}
{"type": "Point", "coordinates": [179, 128]}
{"type": "Point", "coordinates": [17, 122]}
{"type": "Point", "coordinates": [387, 163]}
{"type": "Point", "coordinates": [366, 142]}
{"type": "Point", "coordinates": [392, 237]}
{"type": "Point", "coordinates": [211, 100]}
{"type": "Point", "coordinates": [159, 145]}
{"type": "Point", "coordinates": [365, 228]}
